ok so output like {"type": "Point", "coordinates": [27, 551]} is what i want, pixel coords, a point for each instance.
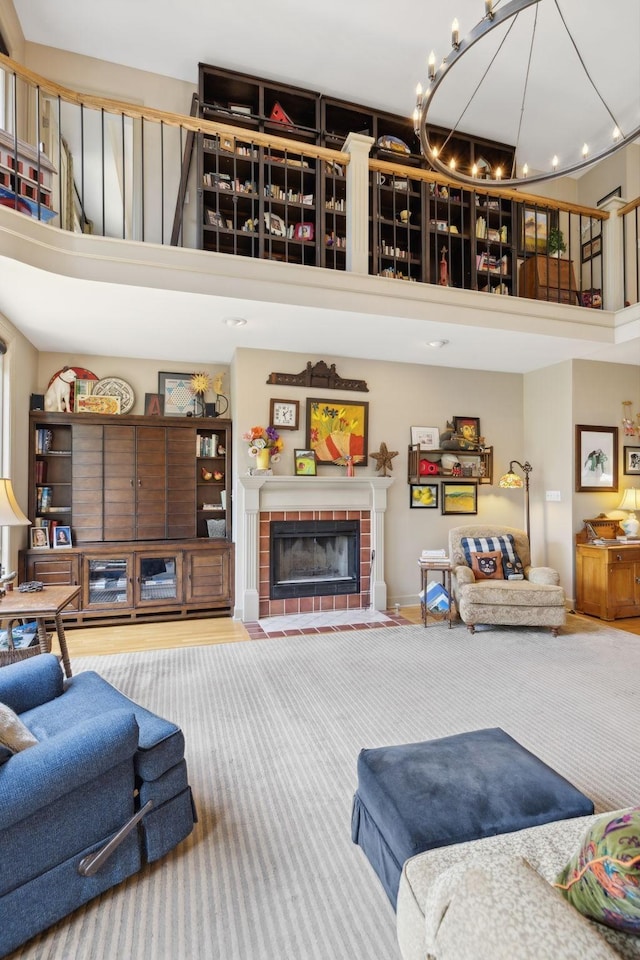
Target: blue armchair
{"type": "Point", "coordinates": [104, 790]}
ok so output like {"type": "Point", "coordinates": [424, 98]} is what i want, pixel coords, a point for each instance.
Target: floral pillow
{"type": "Point", "coordinates": [602, 879]}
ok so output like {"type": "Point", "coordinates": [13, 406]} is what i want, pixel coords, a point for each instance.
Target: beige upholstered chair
{"type": "Point", "coordinates": [535, 601]}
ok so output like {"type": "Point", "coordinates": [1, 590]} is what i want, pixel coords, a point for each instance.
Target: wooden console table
{"type": "Point", "coordinates": [548, 278]}
{"type": "Point", "coordinates": [43, 605]}
{"type": "Point", "coordinates": [608, 580]}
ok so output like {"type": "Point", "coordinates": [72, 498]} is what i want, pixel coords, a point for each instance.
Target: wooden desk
{"type": "Point", "coordinates": [548, 278]}
{"type": "Point", "coordinates": [45, 604]}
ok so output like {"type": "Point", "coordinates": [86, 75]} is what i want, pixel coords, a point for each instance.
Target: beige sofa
{"type": "Point", "coordinates": [535, 601]}
{"type": "Point", "coordinates": [492, 899]}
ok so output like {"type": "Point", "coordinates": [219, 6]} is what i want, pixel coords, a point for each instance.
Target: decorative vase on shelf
{"type": "Point", "coordinates": [263, 458]}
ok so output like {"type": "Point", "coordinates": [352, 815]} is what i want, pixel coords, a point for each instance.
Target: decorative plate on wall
{"type": "Point", "coordinates": [115, 387]}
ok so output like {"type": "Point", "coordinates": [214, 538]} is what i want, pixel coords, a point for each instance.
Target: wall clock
{"type": "Point", "coordinates": [284, 414]}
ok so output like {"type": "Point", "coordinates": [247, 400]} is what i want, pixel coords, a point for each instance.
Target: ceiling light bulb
{"type": "Point", "coordinates": [525, 170]}
{"type": "Point", "coordinates": [585, 150]}
{"type": "Point", "coordinates": [616, 133]}
{"type": "Point", "coordinates": [554, 163]}
{"type": "Point", "coordinates": [499, 173]}
{"type": "Point", "coordinates": [452, 163]}
{"type": "Point", "coordinates": [432, 65]}
{"type": "Point", "coordinates": [455, 33]}
{"type": "Point", "coordinates": [436, 344]}
{"type": "Point", "coordinates": [488, 9]}
{"type": "Point", "coordinates": [474, 170]}
{"type": "Point", "coordinates": [435, 152]}
{"type": "Point", "coordinates": [418, 91]}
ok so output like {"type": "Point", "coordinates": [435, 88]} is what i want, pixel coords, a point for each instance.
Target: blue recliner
{"type": "Point", "coordinates": [104, 790]}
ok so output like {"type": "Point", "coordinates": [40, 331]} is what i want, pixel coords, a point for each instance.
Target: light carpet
{"type": "Point", "coordinates": [273, 729]}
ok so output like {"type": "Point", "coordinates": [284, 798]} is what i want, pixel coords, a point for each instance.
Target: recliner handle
{"type": "Point", "coordinates": [93, 861]}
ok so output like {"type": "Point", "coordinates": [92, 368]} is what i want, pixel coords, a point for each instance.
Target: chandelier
{"type": "Point", "coordinates": [513, 39]}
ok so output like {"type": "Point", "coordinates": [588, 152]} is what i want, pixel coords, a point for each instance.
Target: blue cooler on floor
{"type": "Point", "coordinates": [418, 796]}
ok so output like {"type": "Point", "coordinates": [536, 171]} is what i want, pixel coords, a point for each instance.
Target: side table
{"type": "Point", "coordinates": [439, 566]}
{"type": "Point", "coordinates": [45, 604]}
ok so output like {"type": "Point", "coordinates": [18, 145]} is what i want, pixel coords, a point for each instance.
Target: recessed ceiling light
{"type": "Point", "coordinates": [235, 321]}
{"type": "Point", "coordinates": [436, 344]}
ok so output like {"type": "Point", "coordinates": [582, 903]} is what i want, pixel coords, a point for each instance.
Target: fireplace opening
{"type": "Point", "coordinates": [312, 558]}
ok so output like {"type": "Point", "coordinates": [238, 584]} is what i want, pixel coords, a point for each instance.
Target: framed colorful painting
{"type": "Point", "coordinates": [459, 498]}
{"type": "Point", "coordinates": [337, 430]}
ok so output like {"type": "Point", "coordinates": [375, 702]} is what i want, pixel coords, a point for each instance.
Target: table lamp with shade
{"type": "Point", "coordinates": [631, 502]}
{"type": "Point", "coordinates": [512, 481]}
{"type": "Point", "coordinates": [10, 515]}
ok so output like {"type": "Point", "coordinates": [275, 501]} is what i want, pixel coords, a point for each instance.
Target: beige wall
{"type": "Point", "coordinates": [400, 395]}
{"type": "Point", "coordinates": [19, 381]}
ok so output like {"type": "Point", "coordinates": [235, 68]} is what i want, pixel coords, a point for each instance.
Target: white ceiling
{"type": "Point", "coordinates": [370, 53]}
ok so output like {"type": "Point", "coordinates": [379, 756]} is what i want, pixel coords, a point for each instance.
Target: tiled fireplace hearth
{"type": "Point", "coordinates": [264, 500]}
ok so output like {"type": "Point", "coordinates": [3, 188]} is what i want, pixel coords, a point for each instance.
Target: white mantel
{"type": "Point", "coordinates": [270, 493]}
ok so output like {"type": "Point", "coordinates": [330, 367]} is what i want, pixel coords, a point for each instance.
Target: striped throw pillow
{"type": "Point", "coordinates": [511, 563]}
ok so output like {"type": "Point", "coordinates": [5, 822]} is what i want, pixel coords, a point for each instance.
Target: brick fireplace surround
{"type": "Point", "coordinates": [263, 499]}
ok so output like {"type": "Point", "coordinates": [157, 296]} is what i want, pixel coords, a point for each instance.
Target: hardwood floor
{"type": "Point", "coordinates": [130, 638]}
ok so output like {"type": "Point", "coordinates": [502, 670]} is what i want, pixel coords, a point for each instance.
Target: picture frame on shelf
{"type": "Point", "coordinates": [305, 463]}
{"type": "Point", "coordinates": [154, 404]}
{"type": "Point", "coordinates": [179, 398]}
{"type": "Point", "coordinates": [62, 537]}
{"type": "Point", "coordinates": [227, 143]}
{"type": "Point", "coordinates": [81, 388]}
{"type": "Point", "coordinates": [467, 428]}
{"type": "Point", "coordinates": [596, 463]}
{"type": "Point", "coordinates": [94, 403]}
{"type": "Point", "coordinates": [39, 538]}
{"type": "Point", "coordinates": [337, 429]}
{"type": "Point", "coordinates": [215, 219]}
{"type": "Point", "coordinates": [427, 437]}
{"type": "Point", "coordinates": [274, 224]}
{"type": "Point", "coordinates": [459, 498]}
{"type": "Point", "coordinates": [242, 108]}
{"type": "Point", "coordinates": [303, 231]}
{"type": "Point", "coordinates": [424, 496]}
{"type": "Point", "coordinates": [631, 461]}
{"type": "Point", "coordinates": [284, 414]}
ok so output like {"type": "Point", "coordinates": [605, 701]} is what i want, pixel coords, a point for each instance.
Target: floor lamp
{"type": "Point", "coordinates": [10, 515]}
{"type": "Point", "coordinates": [512, 481]}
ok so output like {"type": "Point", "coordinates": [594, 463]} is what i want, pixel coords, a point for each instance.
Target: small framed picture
{"type": "Point", "coordinates": [632, 461]}
{"type": "Point", "coordinates": [596, 458]}
{"type": "Point", "coordinates": [459, 498]}
{"type": "Point", "coordinates": [275, 224]}
{"type": "Point", "coordinates": [305, 462]}
{"type": "Point", "coordinates": [592, 248]}
{"type": "Point", "coordinates": [215, 219]}
{"type": "Point", "coordinates": [427, 437]}
{"type": "Point", "coordinates": [81, 388]}
{"type": "Point", "coordinates": [303, 231]}
{"type": "Point", "coordinates": [153, 404]}
{"type": "Point", "coordinates": [175, 389]}
{"type": "Point", "coordinates": [424, 496]}
{"type": "Point", "coordinates": [227, 143]}
{"type": "Point", "coordinates": [39, 538]}
{"type": "Point", "coordinates": [467, 428]}
{"type": "Point", "coordinates": [284, 414]}
{"type": "Point", "coordinates": [62, 537]}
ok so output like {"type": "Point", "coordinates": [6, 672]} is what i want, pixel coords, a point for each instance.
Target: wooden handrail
{"type": "Point", "coordinates": [628, 207]}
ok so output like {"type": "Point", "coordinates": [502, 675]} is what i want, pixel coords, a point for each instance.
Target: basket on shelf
{"type": "Point", "coordinates": [11, 651]}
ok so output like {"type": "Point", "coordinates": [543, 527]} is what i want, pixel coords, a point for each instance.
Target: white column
{"type": "Point", "coordinates": [247, 550]}
{"type": "Point", "coordinates": [378, 586]}
{"type": "Point", "coordinates": [358, 146]}
{"type": "Point", "coordinates": [613, 256]}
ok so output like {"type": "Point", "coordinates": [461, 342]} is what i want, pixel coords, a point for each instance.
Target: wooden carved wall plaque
{"type": "Point", "coordinates": [318, 375]}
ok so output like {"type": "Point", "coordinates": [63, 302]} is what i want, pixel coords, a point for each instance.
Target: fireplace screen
{"type": "Point", "coordinates": [311, 558]}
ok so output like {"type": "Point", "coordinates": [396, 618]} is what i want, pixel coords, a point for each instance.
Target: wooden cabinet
{"type": "Point", "coordinates": [608, 580]}
{"type": "Point", "coordinates": [548, 278]}
{"type": "Point", "coordinates": [138, 493]}
{"type": "Point", "coordinates": [139, 581]}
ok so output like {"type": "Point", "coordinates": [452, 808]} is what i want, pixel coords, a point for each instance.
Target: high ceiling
{"type": "Point", "coordinates": [370, 53]}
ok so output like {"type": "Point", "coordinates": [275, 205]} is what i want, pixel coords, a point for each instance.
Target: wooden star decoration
{"type": "Point", "coordinates": [383, 458]}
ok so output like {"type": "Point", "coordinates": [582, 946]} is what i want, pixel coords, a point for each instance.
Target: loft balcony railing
{"type": "Point", "coordinates": [113, 169]}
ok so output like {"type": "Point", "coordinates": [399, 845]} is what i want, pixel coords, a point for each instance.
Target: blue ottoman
{"type": "Point", "coordinates": [418, 796]}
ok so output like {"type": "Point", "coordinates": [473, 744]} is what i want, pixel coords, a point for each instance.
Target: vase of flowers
{"type": "Point", "coordinates": [264, 444]}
